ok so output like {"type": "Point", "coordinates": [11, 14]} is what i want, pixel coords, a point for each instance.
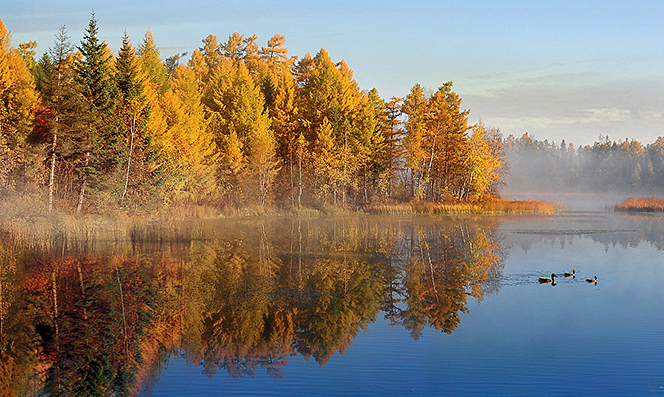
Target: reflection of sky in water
{"type": "Point", "coordinates": [528, 339]}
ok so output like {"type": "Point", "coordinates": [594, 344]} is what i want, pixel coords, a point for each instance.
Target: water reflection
{"type": "Point", "coordinates": [608, 229]}
{"type": "Point", "coordinates": [80, 318]}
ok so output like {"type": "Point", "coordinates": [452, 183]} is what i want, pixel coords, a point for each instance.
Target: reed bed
{"type": "Point", "coordinates": [61, 234]}
{"type": "Point", "coordinates": [489, 207]}
{"type": "Point", "coordinates": [649, 204]}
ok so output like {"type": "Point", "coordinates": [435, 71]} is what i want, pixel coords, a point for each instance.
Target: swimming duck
{"type": "Point", "coordinates": [544, 280]}
{"type": "Point", "coordinates": [592, 280]}
{"type": "Point", "coordinates": [573, 274]}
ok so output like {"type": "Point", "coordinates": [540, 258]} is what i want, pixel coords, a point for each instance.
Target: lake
{"type": "Point", "coordinates": [361, 306]}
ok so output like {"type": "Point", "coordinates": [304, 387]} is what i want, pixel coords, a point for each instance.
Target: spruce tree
{"type": "Point", "coordinates": [104, 144]}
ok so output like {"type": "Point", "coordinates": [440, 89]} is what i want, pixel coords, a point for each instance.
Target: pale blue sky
{"type": "Point", "coordinates": [559, 69]}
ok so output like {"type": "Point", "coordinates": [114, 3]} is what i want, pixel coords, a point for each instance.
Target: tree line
{"type": "Point", "coordinates": [605, 166]}
{"type": "Point", "coordinates": [238, 125]}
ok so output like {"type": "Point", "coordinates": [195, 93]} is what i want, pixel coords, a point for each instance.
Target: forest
{"type": "Point", "coordinates": [607, 166]}
{"type": "Point", "coordinates": [239, 125]}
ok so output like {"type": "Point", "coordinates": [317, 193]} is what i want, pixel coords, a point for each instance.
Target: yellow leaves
{"type": "Point", "coordinates": [200, 69]}
{"type": "Point", "coordinates": [186, 139]}
{"type": "Point", "coordinates": [18, 97]}
{"type": "Point", "coordinates": [326, 161]}
{"type": "Point", "coordinates": [233, 157]}
{"type": "Point", "coordinates": [483, 165]}
{"type": "Point", "coordinates": [151, 63]}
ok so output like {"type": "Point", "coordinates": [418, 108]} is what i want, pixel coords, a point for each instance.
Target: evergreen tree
{"type": "Point", "coordinates": [132, 111]}
{"type": "Point", "coordinates": [66, 115]}
{"type": "Point", "coordinates": [95, 71]}
{"type": "Point", "coordinates": [104, 144]}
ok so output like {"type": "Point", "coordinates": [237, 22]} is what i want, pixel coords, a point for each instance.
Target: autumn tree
{"type": "Point", "coordinates": [485, 165]}
{"type": "Point", "coordinates": [18, 101]}
{"type": "Point", "coordinates": [188, 142]}
{"type": "Point", "coordinates": [239, 118]}
{"type": "Point", "coordinates": [327, 91]}
{"type": "Point", "coordinates": [280, 91]}
{"type": "Point", "coordinates": [415, 108]}
{"type": "Point", "coordinates": [436, 143]}
{"type": "Point", "coordinates": [394, 151]}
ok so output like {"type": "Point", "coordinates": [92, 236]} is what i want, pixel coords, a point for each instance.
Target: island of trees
{"type": "Point", "coordinates": [83, 130]}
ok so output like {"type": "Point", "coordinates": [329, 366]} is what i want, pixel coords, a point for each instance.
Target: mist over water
{"type": "Point", "coordinates": [588, 178]}
{"type": "Point", "coordinates": [593, 202]}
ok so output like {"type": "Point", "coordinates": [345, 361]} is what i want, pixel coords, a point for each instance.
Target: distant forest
{"type": "Point", "coordinates": [606, 166]}
{"type": "Point", "coordinates": [83, 130]}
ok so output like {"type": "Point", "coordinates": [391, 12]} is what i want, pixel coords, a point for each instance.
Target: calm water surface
{"type": "Point", "coordinates": [366, 306]}
{"type": "Point", "coordinates": [523, 339]}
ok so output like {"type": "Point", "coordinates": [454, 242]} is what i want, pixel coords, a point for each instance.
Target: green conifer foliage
{"type": "Point", "coordinates": [104, 146]}
{"type": "Point", "coordinates": [67, 120]}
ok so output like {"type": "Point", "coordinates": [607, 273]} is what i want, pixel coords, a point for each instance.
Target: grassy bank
{"type": "Point", "coordinates": [28, 219]}
{"type": "Point", "coordinates": [650, 204]}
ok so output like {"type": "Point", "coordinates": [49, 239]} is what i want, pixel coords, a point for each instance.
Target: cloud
{"type": "Point", "coordinates": [523, 123]}
{"type": "Point", "coordinates": [597, 116]}
{"type": "Point", "coordinates": [551, 78]}
{"type": "Point", "coordinates": [651, 115]}
{"type": "Point", "coordinates": [604, 115]}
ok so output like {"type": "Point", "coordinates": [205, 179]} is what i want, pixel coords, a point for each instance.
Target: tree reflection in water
{"type": "Point", "coordinates": [99, 321]}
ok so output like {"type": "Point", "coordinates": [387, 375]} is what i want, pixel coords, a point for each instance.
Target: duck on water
{"type": "Point", "coordinates": [544, 280]}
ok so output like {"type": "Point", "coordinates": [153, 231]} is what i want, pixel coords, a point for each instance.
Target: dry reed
{"type": "Point", "coordinates": [649, 204]}
{"type": "Point", "coordinates": [489, 207]}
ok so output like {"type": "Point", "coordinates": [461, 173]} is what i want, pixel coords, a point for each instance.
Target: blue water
{"type": "Point", "coordinates": [527, 339]}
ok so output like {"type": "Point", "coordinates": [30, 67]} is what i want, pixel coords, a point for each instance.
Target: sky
{"type": "Point", "coordinates": [571, 70]}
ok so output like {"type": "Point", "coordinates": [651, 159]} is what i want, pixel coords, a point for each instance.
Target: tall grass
{"type": "Point", "coordinates": [650, 204]}
{"type": "Point", "coordinates": [489, 207]}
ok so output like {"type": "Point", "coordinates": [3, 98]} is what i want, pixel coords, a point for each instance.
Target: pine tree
{"type": "Point", "coordinates": [104, 144]}
{"type": "Point", "coordinates": [95, 71]}
{"type": "Point", "coordinates": [67, 115]}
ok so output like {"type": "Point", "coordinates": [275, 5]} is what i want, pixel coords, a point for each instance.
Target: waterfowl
{"type": "Point", "coordinates": [573, 274]}
{"type": "Point", "coordinates": [544, 280]}
{"type": "Point", "coordinates": [592, 280]}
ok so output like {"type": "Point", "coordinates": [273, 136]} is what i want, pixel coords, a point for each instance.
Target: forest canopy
{"type": "Point", "coordinates": [85, 130]}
